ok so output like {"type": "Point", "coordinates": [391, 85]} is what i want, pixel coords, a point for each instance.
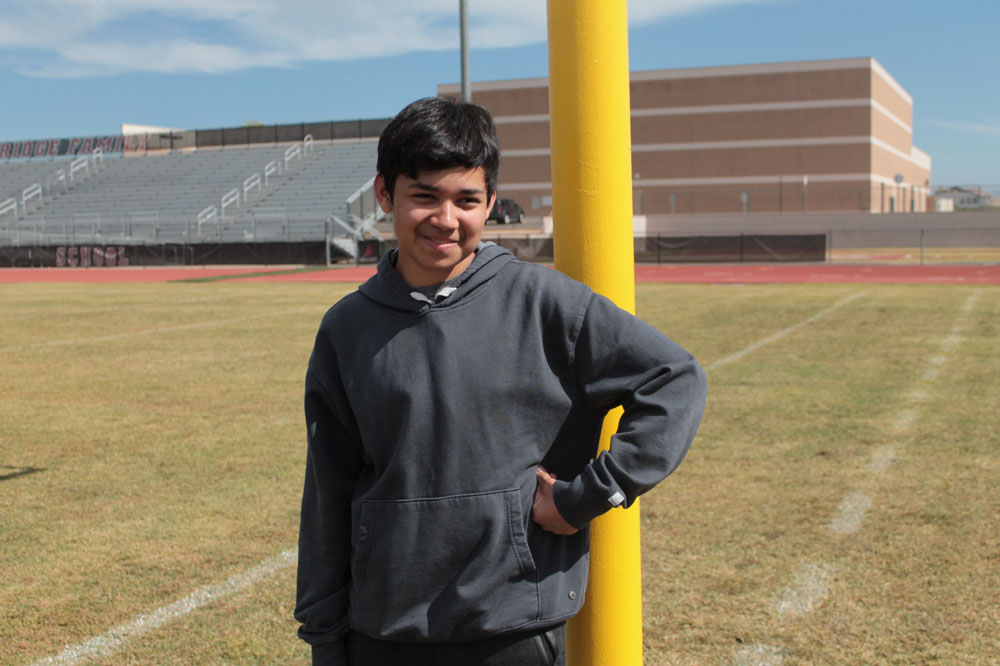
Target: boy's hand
{"type": "Point", "coordinates": [543, 510]}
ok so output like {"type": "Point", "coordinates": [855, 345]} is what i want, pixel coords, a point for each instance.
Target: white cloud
{"type": "Point", "coordinates": [71, 38]}
{"type": "Point", "coordinates": [975, 128]}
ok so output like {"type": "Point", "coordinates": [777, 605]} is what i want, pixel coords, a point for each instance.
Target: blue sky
{"type": "Point", "coordinates": [83, 67]}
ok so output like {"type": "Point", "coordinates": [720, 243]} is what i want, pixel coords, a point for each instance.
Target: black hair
{"type": "Point", "coordinates": [437, 133]}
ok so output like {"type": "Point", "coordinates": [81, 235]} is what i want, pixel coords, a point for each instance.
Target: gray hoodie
{"type": "Point", "coordinates": [426, 423]}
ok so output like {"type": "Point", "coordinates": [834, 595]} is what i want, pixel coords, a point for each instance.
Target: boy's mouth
{"type": "Point", "coordinates": [440, 243]}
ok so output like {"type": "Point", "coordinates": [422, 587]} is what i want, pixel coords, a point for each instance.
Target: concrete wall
{"type": "Point", "coordinates": [812, 223]}
{"type": "Point", "coordinates": [972, 229]}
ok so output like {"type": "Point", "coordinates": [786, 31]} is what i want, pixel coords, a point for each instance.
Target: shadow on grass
{"type": "Point", "coordinates": [17, 471]}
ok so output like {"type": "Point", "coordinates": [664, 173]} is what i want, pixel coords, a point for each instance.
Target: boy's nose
{"type": "Point", "coordinates": [446, 217]}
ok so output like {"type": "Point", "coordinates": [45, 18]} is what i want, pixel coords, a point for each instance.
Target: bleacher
{"type": "Point", "coordinates": [308, 195]}
{"type": "Point", "coordinates": [283, 192]}
{"type": "Point", "coordinates": [15, 177]}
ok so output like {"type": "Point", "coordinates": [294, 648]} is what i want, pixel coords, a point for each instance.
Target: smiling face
{"type": "Point", "coordinates": [438, 218]}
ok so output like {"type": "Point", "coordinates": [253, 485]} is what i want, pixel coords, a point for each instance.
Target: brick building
{"type": "Point", "coordinates": [816, 136]}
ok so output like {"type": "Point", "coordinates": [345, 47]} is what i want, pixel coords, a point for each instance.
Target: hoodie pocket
{"type": "Point", "coordinates": [443, 567]}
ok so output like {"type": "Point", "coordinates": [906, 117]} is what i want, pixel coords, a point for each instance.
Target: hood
{"type": "Point", "coordinates": [388, 288]}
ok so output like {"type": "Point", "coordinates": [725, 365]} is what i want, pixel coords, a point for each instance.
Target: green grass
{"type": "Point", "coordinates": [287, 271]}
{"type": "Point", "coordinates": [930, 255]}
{"type": "Point", "coordinates": [151, 442]}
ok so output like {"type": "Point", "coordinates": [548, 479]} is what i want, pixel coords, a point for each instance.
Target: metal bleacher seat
{"type": "Point", "coordinates": [159, 197]}
{"type": "Point", "coordinates": [15, 177]}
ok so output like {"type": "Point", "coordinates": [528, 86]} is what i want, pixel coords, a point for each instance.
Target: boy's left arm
{"type": "Point", "coordinates": [621, 360]}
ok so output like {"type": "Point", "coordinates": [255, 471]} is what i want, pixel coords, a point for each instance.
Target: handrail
{"type": "Point", "coordinates": [205, 216]}
{"type": "Point", "coordinates": [250, 183]}
{"type": "Point", "coordinates": [59, 176]}
{"type": "Point", "coordinates": [78, 164]}
{"type": "Point", "coordinates": [293, 151]}
{"type": "Point", "coordinates": [363, 208]}
{"type": "Point", "coordinates": [30, 192]}
{"type": "Point", "coordinates": [98, 154]}
{"type": "Point", "coordinates": [228, 199]}
{"type": "Point", "coordinates": [347, 227]}
{"type": "Point", "coordinates": [8, 205]}
{"type": "Point", "coordinates": [360, 191]}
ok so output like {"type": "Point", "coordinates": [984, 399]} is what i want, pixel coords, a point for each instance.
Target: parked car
{"type": "Point", "coordinates": [506, 211]}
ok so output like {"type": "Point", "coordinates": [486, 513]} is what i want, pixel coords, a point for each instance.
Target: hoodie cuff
{"type": "Point", "coordinates": [330, 654]}
{"type": "Point", "coordinates": [578, 504]}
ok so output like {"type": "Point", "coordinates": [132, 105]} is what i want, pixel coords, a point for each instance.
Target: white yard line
{"type": "Point", "coordinates": [882, 459]}
{"type": "Point", "coordinates": [147, 331]}
{"type": "Point", "coordinates": [851, 514]}
{"type": "Point", "coordinates": [758, 654]}
{"type": "Point", "coordinates": [906, 417]}
{"type": "Point", "coordinates": [782, 333]}
{"type": "Point", "coordinates": [811, 582]}
{"type": "Point", "coordinates": [114, 638]}
{"type": "Point", "coordinates": [855, 506]}
{"type": "Point", "coordinates": [810, 585]}
{"type": "Point", "coordinates": [808, 588]}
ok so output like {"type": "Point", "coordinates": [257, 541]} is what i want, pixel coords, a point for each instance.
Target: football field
{"type": "Point", "coordinates": [841, 504]}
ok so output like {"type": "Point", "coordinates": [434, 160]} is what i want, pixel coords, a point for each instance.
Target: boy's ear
{"type": "Point", "coordinates": [382, 194]}
{"type": "Point", "coordinates": [493, 199]}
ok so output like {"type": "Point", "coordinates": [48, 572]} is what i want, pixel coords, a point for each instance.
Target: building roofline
{"type": "Point", "coordinates": [704, 72]}
{"type": "Point", "coordinates": [880, 70]}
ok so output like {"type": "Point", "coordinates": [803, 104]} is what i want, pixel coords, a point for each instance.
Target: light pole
{"type": "Point", "coordinates": [463, 19]}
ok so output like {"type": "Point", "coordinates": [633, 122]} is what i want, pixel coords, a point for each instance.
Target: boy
{"type": "Point", "coordinates": [454, 406]}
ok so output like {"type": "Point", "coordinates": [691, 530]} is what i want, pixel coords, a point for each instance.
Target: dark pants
{"type": "Point", "coordinates": [544, 647]}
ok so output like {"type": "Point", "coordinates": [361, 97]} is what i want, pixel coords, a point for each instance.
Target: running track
{"type": "Point", "coordinates": [704, 274]}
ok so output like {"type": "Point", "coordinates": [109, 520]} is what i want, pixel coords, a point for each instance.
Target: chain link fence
{"type": "Point", "coordinates": [264, 235]}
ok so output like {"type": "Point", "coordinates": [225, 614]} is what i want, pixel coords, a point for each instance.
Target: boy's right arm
{"type": "Point", "coordinates": [332, 468]}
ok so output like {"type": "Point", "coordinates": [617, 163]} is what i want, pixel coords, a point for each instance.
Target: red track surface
{"type": "Point", "coordinates": [705, 274]}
